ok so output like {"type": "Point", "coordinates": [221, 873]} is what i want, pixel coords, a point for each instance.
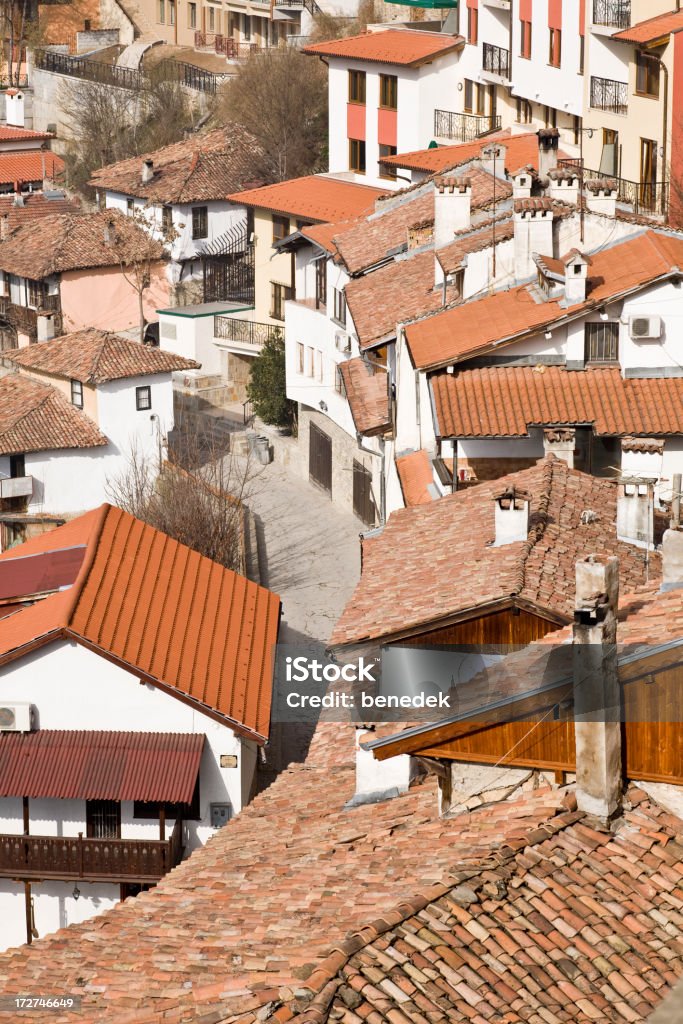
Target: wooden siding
{"type": "Point", "coordinates": [508, 627]}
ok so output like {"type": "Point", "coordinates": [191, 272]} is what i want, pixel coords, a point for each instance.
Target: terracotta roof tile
{"type": "Point", "coordinates": [206, 166]}
{"type": "Point", "coordinates": [73, 241]}
{"type": "Point", "coordinates": [476, 325]}
{"type": "Point", "coordinates": [366, 391]}
{"type": "Point", "coordinates": [35, 205]}
{"type": "Point", "coordinates": [481, 236]}
{"type": "Point", "coordinates": [148, 601]}
{"type": "Point", "coordinates": [315, 197]}
{"type": "Point", "coordinates": [653, 29]}
{"type": "Point", "coordinates": [12, 133]}
{"type": "Point", "coordinates": [35, 417]}
{"type": "Point", "coordinates": [407, 579]}
{"type": "Point", "coordinates": [504, 401]}
{"type": "Point", "coordinates": [416, 475]}
{"type": "Point", "coordinates": [95, 357]}
{"type": "Point", "coordinates": [521, 151]}
{"type": "Point", "coordinates": [33, 165]}
{"type": "Point", "coordinates": [391, 46]}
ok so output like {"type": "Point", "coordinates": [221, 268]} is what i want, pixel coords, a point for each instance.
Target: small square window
{"type": "Point", "coordinates": [77, 394]}
{"type": "Point", "coordinates": [143, 398]}
{"type": "Point", "coordinates": [220, 815]}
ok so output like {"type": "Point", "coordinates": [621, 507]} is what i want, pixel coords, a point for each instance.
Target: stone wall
{"type": "Point", "coordinates": [96, 39]}
{"type": "Point", "coordinates": [50, 93]}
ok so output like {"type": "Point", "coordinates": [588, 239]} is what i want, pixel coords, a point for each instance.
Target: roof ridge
{"type": "Point", "coordinates": [549, 464]}
{"type": "Point", "coordinates": [104, 339]}
{"type": "Point", "coordinates": [50, 390]}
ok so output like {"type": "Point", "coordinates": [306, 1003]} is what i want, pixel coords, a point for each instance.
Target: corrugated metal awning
{"type": "Point", "coordinates": [88, 765]}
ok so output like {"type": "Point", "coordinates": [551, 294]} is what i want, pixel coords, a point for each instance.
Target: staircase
{"type": "Point", "coordinates": [142, 24]}
{"type": "Point", "coordinates": [132, 56]}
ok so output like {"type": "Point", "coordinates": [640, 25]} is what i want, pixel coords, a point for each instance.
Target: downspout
{"type": "Point", "coordinates": [382, 487]}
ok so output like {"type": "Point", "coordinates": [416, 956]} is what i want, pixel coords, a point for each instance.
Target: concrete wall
{"type": "Point", "coordinates": [50, 95]}
{"type": "Point", "coordinates": [104, 298]}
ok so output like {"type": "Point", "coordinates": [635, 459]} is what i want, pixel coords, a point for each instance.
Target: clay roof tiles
{"type": "Point", "coordinates": [390, 46]}
{"type": "Point", "coordinates": [314, 197]}
{"type": "Point", "coordinates": [367, 394]}
{"type": "Point", "coordinates": [504, 401]}
{"type": "Point", "coordinates": [644, 32]}
{"type": "Point", "coordinates": [521, 151]}
{"type": "Point", "coordinates": [416, 475]}
{"type": "Point", "coordinates": [96, 357]}
{"type": "Point", "coordinates": [35, 205]}
{"type": "Point", "coordinates": [13, 133]}
{"type": "Point", "coordinates": [408, 570]}
{"type": "Point", "coordinates": [35, 417]}
{"type": "Point", "coordinates": [32, 165]}
{"type": "Point", "coordinates": [163, 611]}
{"type": "Point", "coordinates": [204, 167]}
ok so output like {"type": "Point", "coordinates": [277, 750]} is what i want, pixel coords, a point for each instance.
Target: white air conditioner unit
{"type": "Point", "coordinates": [16, 718]}
{"type": "Point", "coordinates": [342, 341]}
{"type": "Point", "coordinates": [645, 327]}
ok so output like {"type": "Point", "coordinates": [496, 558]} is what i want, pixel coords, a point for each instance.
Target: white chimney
{"type": "Point", "coordinates": [548, 145]}
{"type": "Point", "coordinates": [4, 227]}
{"type": "Point", "coordinates": [512, 509]}
{"type": "Point", "coordinates": [533, 234]}
{"type": "Point", "coordinates": [377, 780]}
{"type": "Point", "coordinates": [14, 108]}
{"type": "Point", "coordinates": [564, 185]}
{"type": "Point", "coordinates": [493, 159]}
{"type": "Point", "coordinates": [45, 326]}
{"type": "Point", "coordinates": [601, 196]}
{"type": "Point", "coordinates": [576, 277]}
{"type": "Point", "coordinates": [672, 560]}
{"type": "Point", "coordinates": [522, 183]}
{"type": "Point", "coordinates": [561, 442]}
{"type": "Point", "coordinates": [452, 208]}
{"type": "Point", "coordinates": [597, 696]}
{"type": "Point", "coordinates": [635, 513]}
{"type": "Point", "coordinates": [147, 171]}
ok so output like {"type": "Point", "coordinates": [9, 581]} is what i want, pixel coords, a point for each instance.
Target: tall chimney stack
{"type": "Point", "coordinates": [147, 171]}
{"type": "Point", "coordinates": [597, 697]}
{"type": "Point", "coordinates": [452, 208]}
{"type": "Point", "coordinates": [548, 145]}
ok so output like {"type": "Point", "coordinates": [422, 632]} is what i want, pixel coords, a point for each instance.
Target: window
{"type": "Point", "coordinates": [472, 25]}
{"type": "Point", "coordinates": [356, 87]}
{"type": "Point", "coordinates": [647, 75]}
{"type": "Point", "coordinates": [162, 11]}
{"type": "Point", "coordinates": [37, 294]}
{"type": "Point", "coordinates": [555, 48]}
{"type": "Point", "coordinates": [321, 283]}
{"type": "Point", "coordinates": [602, 343]}
{"type": "Point", "coordinates": [150, 808]}
{"type": "Point", "coordinates": [103, 819]}
{"type": "Point", "coordinates": [299, 358]}
{"type": "Point", "coordinates": [319, 361]}
{"type": "Point", "coordinates": [246, 27]}
{"type": "Point", "coordinates": [17, 466]}
{"type": "Point", "coordinates": [192, 15]}
{"type": "Point", "coordinates": [130, 206]}
{"type": "Point", "coordinates": [166, 220]}
{"type": "Point", "coordinates": [212, 19]}
{"type": "Point", "coordinates": [384, 171]}
{"type": "Point", "coordinates": [339, 307]}
{"type": "Point", "coordinates": [77, 394]}
{"type": "Point", "coordinates": [576, 123]}
{"type": "Point", "coordinates": [280, 228]}
{"type": "Point", "coordinates": [582, 54]}
{"type": "Point", "coordinates": [200, 221]}
{"type": "Point", "coordinates": [310, 362]}
{"type": "Point", "coordinates": [357, 156]}
{"type": "Point", "coordinates": [339, 385]}
{"type": "Point", "coordinates": [469, 95]}
{"type": "Point", "coordinates": [171, 12]}
{"type": "Point", "coordinates": [550, 117]}
{"type": "Point", "coordinates": [481, 100]}
{"type": "Point", "coordinates": [143, 398]}
{"type": "Point", "coordinates": [279, 295]}
{"type": "Point", "coordinates": [526, 40]}
{"type": "Point", "coordinates": [388, 92]}
{"type": "Point", "coordinates": [523, 111]}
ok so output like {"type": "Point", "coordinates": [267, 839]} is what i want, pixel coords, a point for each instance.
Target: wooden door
{"type": "Point", "coordinates": [363, 501]}
{"type": "Point", "coordinates": [320, 458]}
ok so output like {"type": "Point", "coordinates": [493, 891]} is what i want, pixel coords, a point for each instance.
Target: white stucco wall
{"type": "Point", "coordinates": [535, 79]}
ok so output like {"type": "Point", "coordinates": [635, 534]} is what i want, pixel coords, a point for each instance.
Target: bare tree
{"type": "Point", "coordinates": [139, 252]}
{"type": "Point", "coordinates": [280, 96]}
{"type": "Point", "coordinates": [19, 22]}
{"type": "Point", "coordinates": [197, 498]}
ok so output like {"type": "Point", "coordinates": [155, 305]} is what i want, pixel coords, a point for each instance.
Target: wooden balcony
{"type": "Point", "coordinates": [77, 858]}
{"type": "Point", "coordinates": [25, 318]}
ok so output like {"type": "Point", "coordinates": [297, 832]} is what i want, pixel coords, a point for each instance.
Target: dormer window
{"type": "Point", "coordinates": [77, 394]}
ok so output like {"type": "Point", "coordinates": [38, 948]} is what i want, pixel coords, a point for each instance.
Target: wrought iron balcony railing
{"type": "Point", "coordinates": [463, 127]}
{"type": "Point", "coordinates": [649, 198]}
{"type": "Point", "coordinates": [606, 94]}
{"type": "Point", "coordinates": [496, 60]}
{"type": "Point", "coordinates": [612, 13]}
{"type": "Point", "coordinates": [245, 332]}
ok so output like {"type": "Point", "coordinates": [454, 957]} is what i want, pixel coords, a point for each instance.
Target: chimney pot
{"type": "Point", "coordinates": [548, 145]}
{"type": "Point", "coordinates": [561, 442]}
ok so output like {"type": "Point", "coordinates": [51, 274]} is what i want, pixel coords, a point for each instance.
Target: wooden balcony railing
{"type": "Point", "coordinates": [464, 127]}
{"type": "Point", "coordinates": [25, 318]}
{"type": "Point", "coordinates": [93, 860]}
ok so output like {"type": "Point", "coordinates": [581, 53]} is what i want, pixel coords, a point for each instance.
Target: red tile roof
{"type": "Point", "coordinates": [481, 236]}
{"type": "Point", "coordinates": [35, 417]}
{"type": "Point", "coordinates": [407, 579]}
{"type": "Point", "coordinates": [33, 165]}
{"type": "Point", "coordinates": [521, 151]}
{"type": "Point", "coordinates": [653, 29]}
{"type": "Point", "coordinates": [475, 326]}
{"type": "Point", "coordinates": [314, 197]}
{"type": "Point", "coordinates": [162, 611]}
{"type": "Point", "coordinates": [96, 357]}
{"type": "Point", "coordinates": [40, 573]}
{"type": "Point", "coordinates": [35, 205]}
{"type": "Point", "coordinates": [390, 46]}
{"type": "Point", "coordinates": [87, 765]}
{"type": "Point", "coordinates": [416, 475]}
{"type": "Point", "coordinates": [203, 167]}
{"type": "Point", "coordinates": [12, 133]}
{"type": "Point", "coordinates": [367, 394]}
{"type": "Point", "coordinates": [504, 401]}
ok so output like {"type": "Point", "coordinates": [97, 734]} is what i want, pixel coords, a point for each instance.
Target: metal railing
{"type": "Point", "coordinates": [612, 13]}
{"type": "Point", "coordinates": [245, 332]}
{"type": "Point", "coordinates": [309, 5]}
{"type": "Point", "coordinates": [113, 860]}
{"type": "Point", "coordinates": [129, 78]}
{"type": "Point", "coordinates": [464, 127]}
{"type": "Point", "coordinates": [496, 60]}
{"type": "Point", "coordinates": [645, 197]}
{"type": "Point", "coordinates": [247, 412]}
{"type": "Point", "coordinates": [606, 94]}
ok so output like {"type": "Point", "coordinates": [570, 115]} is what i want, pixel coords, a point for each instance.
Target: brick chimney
{"type": "Point", "coordinates": [548, 145]}
{"type": "Point", "coordinates": [561, 442]}
{"type": "Point", "coordinates": [601, 196]}
{"type": "Point", "coordinates": [452, 208]}
{"type": "Point", "coordinates": [635, 513]}
{"type": "Point", "coordinates": [512, 510]}
{"type": "Point", "coordinates": [533, 234]}
{"type": "Point", "coordinates": [147, 171]}
{"type": "Point", "coordinates": [597, 698]}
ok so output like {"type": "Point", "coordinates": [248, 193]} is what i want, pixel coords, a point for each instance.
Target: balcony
{"type": "Point", "coordinates": [496, 61]}
{"type": "Point", "coordinates": [25, 318]}
{"type": "Point", "coordinates": [645, 198]}
{"type": "Point", "coordinates": [614, 14]}
{"type": "Point", "coordinates": [91, 860]}
{"type": "Point", "coordinates": [16, 487]}
{"type": "Point", "coordinates": [463, 127]}
{"type": "Point", "coordinates": [246, 332]}
{"type": "Point", "coordinates": [606, 94]}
